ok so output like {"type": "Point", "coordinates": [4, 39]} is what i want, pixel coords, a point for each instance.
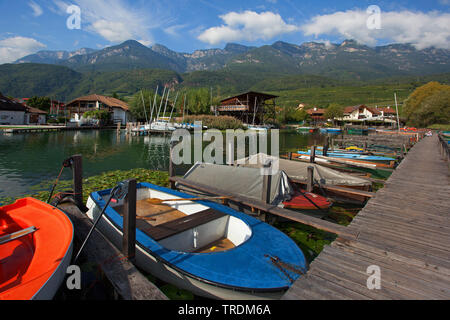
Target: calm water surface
{"type": "Point", "coordinates": [27, 160]}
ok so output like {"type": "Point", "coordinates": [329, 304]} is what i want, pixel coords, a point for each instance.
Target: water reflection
{"type": "Point", "coordinates": [28, 159]}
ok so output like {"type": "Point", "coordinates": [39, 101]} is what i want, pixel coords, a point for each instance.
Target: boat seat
{"type": "Point", "coordinates": [173, 227]}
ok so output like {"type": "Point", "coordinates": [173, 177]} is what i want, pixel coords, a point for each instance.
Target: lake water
{"type": "Point", "coordinates": [29, 159]}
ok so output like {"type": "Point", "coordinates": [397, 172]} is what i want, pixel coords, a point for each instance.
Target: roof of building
{"type": "Point", "coordinates": [7, 104]}
{"type": "Point", "coordinates": [35, 110]}
{"type": "Point", "coordinates": [387, 110]}
{"type": "Point", "coordinates": [243, 96]}
{"type": "Point", "coordinates": [316, 111]}
{"type": "Point", "coordinates": [112, 102]}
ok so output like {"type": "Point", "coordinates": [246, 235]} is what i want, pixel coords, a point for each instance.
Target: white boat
{"type": "Point", "coordinates": [204, 247]}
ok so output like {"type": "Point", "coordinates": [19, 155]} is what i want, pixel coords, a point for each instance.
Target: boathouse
{"type": "Point", "coordinates": [118, 109]}
{"type": "Point", "coordinates": [35, 116]}
{"type": "Point", "coordinates": [250, 107]}
{"type": "Point", "coordinates": [11, 112]}
{"type": "Point", "coordinates": [317, 115]}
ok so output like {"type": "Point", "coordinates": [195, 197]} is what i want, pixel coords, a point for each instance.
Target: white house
{"type": "Point", "coordinates": [118, 109]}
{"type": "Point", "coordinates": [11, 112]}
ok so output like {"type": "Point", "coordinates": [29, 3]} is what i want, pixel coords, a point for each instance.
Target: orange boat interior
{"type": "Point", "coordinates": [26, 263]}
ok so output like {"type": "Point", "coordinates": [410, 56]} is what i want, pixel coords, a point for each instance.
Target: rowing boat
{"type": "Point", "coordinates": [204, 247]}
{"type": "Point", "coordinates": [35, 250]}
{"type": "Point", "coordinates": [349, 155]}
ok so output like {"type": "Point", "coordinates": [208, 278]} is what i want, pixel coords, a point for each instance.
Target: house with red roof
{"type": "Point", "coordinates": [118, 109]}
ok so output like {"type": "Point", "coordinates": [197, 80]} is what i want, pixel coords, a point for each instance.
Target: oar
{"type": "Point", "coordinates": [160, 201]}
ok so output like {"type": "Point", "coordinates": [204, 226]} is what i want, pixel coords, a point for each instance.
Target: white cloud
{"type": "Point", "coordinates": [420, 29]}
{"type": "Point", "coordinates": [37, 10]}
{"type": "Point", "coordinates": [115, 20]}
{"type": "Point", "coordinates": [174, 30]}
{"type": "Point", "coordinates": [248, 25]}
{"type": "Point", "coordinates": [14, 48]}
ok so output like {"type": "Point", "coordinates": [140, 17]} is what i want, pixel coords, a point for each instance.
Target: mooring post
{"type": "Point", "coordinates": [325, 147]}
{"type": "Point", "coordinates": [129, 221]}
{"type": "Point", "coordinates": [312, 157]}
{"type": "Point", "coordinates": [267, 182]}
{"type": "Point", "coordinates": [77, 167]}
{"type": "Point", "coordinates": [310, 179]}
{"type": "Point", "coordinates": [290, 155]}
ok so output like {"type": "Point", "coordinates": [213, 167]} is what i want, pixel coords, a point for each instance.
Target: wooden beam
{"type": "Point", "coordinates": [297, 216]}
{"type": "Point", "coordinates": [77, 167]}
{"type": "Point", "coordinates": [126, 280]}
{"type": "Point", "coordinates": [129, 221]}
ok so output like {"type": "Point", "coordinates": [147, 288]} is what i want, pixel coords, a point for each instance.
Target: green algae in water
{"type": "Point", "coordinates": [174, 293]}
{"type": "Point", "coordinates": [310, 240]}
{"type": "Point", "coordinates": [106, 180]}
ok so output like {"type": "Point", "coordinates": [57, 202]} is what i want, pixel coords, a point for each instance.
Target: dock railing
{"type": "Point", "coordinates": [444, 147]}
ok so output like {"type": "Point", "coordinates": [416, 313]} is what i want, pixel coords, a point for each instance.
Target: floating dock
{"type": "Point", "coordinates": [404, 230]}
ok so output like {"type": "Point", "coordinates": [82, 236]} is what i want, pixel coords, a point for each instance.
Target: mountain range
{"type": "Point", "coordinates": [346, 61]}
{"type": "Point", "coordinates": [314, 73]}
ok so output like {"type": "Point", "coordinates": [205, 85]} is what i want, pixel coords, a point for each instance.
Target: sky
{"type": "Point", "coordinates": [28, 26]}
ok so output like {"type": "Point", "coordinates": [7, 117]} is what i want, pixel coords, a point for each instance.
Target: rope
{"type": "Point", "coordinates": [283, 266]}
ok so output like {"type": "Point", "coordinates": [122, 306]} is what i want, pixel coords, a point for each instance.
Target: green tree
{"type": "Point", "coordinates": [101, 115]}
{"type": "Point", "coordinates": [412, 107]}
{"type": "Point", "coordinates": [334, 111]}
{"type": "Point", "coordinates": [137, 106]}
{"type": "Point", "coordinates": [199, 101]}
{"type": "Point", "coordinates": [434, 109]}
{"type": "Point", "coordinates": [42, 103]}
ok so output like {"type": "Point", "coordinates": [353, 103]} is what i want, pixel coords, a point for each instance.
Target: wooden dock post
{"type": "Point", "coordinates": [312, 157]}
{"type": "Point", "coordinates": [77, 167]}
{"type": "Point", "coordinates": [310, 179]}
{"type": "Point", "coordinates": [267, 183]}
{"type": "Point", "coordinates": [290, 156]}
{"type": "Point", "coordinates": [326, 147]}
{"type": "Point", "coordinates": [129, 222]}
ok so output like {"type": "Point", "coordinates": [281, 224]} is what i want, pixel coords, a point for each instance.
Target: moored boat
{"type": "Point", "coordinates": [350, 155]}
{"type": "Point", "coordinates": [204, 247]}
{"type": "Point", "coordinates": [35, 250]}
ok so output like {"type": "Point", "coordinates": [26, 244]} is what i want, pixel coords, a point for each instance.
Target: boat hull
{"type": "Point", "coordinates": [150, 263]}
{"type": "Point", "coordinates": [215, 275]}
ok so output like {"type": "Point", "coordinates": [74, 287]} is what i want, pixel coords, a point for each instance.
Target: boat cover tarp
{"type": "Point", "coordinates": [299, 170]}
{"type": "Point", "coordinates": [247, 182]}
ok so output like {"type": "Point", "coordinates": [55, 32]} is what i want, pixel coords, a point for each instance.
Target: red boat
{"type": "Point", "coordinates": [35, 250]}
{"type": "Point", "coordinates": [307, 201]}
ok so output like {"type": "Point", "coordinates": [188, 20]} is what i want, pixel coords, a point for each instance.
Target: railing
{"type": "Point", "coordinates": [444, 147]}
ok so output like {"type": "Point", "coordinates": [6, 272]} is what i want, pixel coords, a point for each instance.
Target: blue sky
{"type": "Point", "coordinates": [187, 25]}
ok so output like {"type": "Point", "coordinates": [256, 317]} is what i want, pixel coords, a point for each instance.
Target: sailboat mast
{"type": "Point", "coordinates": [154, 104]}
{"type": "Point", "coordinates": [143, 104]}
{"type": "Point", "coordinates": [173, 107]}
{"type": "Point", "coordinates": [160, 105]}
{"type": "Point", "coordinates": [184, 105]}
{"type": "Point", "coordinates": [396, 107]}
{"type": "Point", "coordinates": [167, 100]}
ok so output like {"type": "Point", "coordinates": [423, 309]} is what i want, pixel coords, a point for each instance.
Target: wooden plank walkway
{"type": "Point", "coordinates": [404, 230]}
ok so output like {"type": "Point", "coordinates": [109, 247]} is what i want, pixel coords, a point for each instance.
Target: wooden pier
{"type": "Point", "coordinates": [404, 230]}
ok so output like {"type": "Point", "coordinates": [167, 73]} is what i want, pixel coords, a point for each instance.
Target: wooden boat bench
{"type": "Point", "coordinates": [173, 227]}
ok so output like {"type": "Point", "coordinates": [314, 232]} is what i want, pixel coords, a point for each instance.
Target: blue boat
{"type": "Point", "coordinates": [331, 130]}
{"type": "Point", "coordinates": [204, 247]}
{"type": "Point", "coordinates": [354, 156]}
